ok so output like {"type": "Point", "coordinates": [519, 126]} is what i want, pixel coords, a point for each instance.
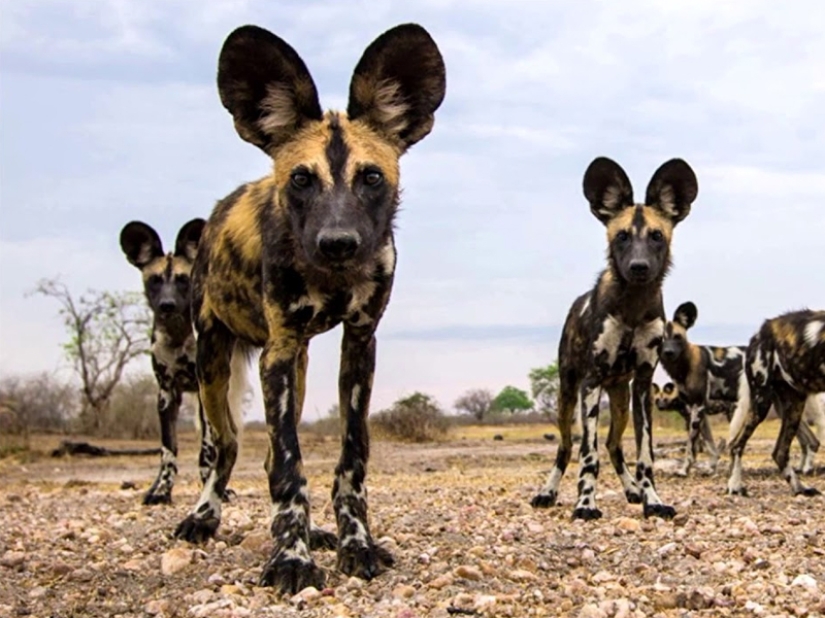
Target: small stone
{"type": "Point", "coordinates": [591, 611]}
{"type": "Point", "coordinates": [216, 579]}
{"type": "Point", "coordinates": [693, 550]}
{"type": "Point", "coordinates": [666, 549]}
{"type": "Point", "coordinates": [484, 601]}
{"type": "Point", "coordinates": [535, 528]}
{"type": "Point", "coordinates": [127, 549]}
{"type": "Point", "coordinates": [230, 589]}
{"type": "Point", "coordinates": [521, 575]}
{"type": "Point", "coordinates": [256, 541]}
{"type": "Point", "coordinates": [38, 592]}
{"type": "Point", "coordinates": [133, 565]}
{"type": "Point", "coordinates": [307, 595]}
{"type": "Point", "coordinates": [468, 572]}
{"type": "Point", "coordinates": [680, 519]}
{"type": "Point", "coordinates": [628, 524]}
{"type": "Point", "coordinates": [424, 558]}
{"type": "Point", "coordinates": [588, 555]}
{"type": "Point", "coordinates": [158, 606]}
{"type": "Point", "coordinates": [441, 581]}
{"type": "Point", "coordinates": [81, 575]}
{"type": "Point", "coordinates": [12, 559]}
{"type": "Point", "coordinates": [175, 560]}
{"type": "Point", "coordinates": [603, 576]}
{"type": "Point", "coordinates": [200, 597]}
{"type": "Point", "coordinates": [464, 600]}
{"type": "Point", "coordinates": [403, 591]}
{"type": "Point", "coordinates": [804, 580]}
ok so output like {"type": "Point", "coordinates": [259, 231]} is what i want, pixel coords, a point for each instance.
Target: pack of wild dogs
{"type": "Point", "coordinates": [310, 246]}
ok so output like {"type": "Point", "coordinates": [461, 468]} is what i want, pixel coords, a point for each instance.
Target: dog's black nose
{"type": "Point", "coordinates": [338, 245]}
{"type": "Point", "coordinates": [166, 306]}
{"type": "Point", "coordinates": [639, 267]}
{"type": "Point", "coordinates": [668, 354]}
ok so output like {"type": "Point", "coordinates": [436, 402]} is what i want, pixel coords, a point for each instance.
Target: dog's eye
{"type": "Point", "coordinates": [300, 180]}
{"type": "Point", "coordinates": [155, 281]}
{"type": "Point", "coordinates": [373, 178]}
{"type": "Point", "coordinates": [657, 236]}
{"type": "Point", "coordinates": [182, 281]}
{"type": "Point", "coordinates": [622, 236]}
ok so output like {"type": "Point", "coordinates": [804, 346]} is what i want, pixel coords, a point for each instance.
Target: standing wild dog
{"type": "Point", "coordinates": [295, 254]}
{"type": "Point", "coordinates": [668, 399]}
{"type": "Point", "coordinates": [706, 374]}
{"type": "Point", "coordinates": [166, 283]}
{"type": "Point", "coordinates": [784, 364]}
{"type": "Point", "coordinates": [613, 332]}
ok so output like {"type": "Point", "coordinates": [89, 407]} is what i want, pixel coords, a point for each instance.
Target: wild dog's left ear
{"type": "Point", "coordinates": [654, 389]}
{"type": "Point", "coordinates": [186, 244]}
{"type": "Point", "coordinates": [686, 314]}
{"type": "Point", "coordinates": [398, 84]}
{"type": "Point", "coordinates": [673, 189]}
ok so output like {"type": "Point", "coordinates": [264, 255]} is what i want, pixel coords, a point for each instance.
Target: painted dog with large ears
{"type": "Point", "coordinates": [613, 332]}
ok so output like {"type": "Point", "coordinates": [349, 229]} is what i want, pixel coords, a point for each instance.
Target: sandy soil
{"type": "Point", "coordinates": [75, 542]}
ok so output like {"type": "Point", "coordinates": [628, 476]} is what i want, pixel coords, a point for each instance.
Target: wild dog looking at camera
{"type": "Point", "coordinates": [612, 333]}
{"type": "Point", "coordinates": [667, 399]}
{"type": "Point", "coordinates": [784, 364]}
{"type": "Point", "coordinates": [297, 253]}
{"type": "Point", "coordinates": [166, 283]}
{"type": "Point", "coordinates": [707, 374]}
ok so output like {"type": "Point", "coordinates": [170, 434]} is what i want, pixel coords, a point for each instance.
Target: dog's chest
{"type": "Point", "coordinates": [174, 365]}
{"type": "Point", "coordinates": [619, 348]}
{"type": "Point", "coordinates": [318, 311]}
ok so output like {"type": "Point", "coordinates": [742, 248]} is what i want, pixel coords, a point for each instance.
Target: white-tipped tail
{"type": "Point", "coordinates": [743, 407]}
{"type": "Point", "coordinates": [239, 384]}
{"type": "Point", "coordinates": [815, 413]}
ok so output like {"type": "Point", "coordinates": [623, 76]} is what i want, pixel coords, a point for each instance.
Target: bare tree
{"type": "Point", "coordinates": [476, 402]}
{"type": "Point", "coordinates": [107, 330]}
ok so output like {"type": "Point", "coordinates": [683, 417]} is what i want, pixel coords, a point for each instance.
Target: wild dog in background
{"type": "Point", "coordinates": [710, 377]}
{"type": "Point", "coordinates": [613, 332]}
{"type": "Point", "coordinates": [667, 399]}
{"type": "Point", "coordinates": [784, 364]}
{"type": "Point", "coordinates": [166, 283]}
{"type": "Point", "coordinates": [293, 255]}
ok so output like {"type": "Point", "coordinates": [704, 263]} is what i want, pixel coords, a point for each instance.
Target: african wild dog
{"type": "Point", "coordinates": [612, 333]}
{"type": "Point", "coordinates": [668, 399]}
{"type": "Point", "coordinates": [709, 378]}
{"type": "Point", "coordinates": [296, 253]}
{"type": "Point", "coordinates": [166, 283]}
{"type": "Point", "coordinates": [785, 363]}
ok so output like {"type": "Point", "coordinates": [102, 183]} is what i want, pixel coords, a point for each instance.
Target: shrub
{"type": "Point", "coordinates": [133, 411]}
{"type": "Point", "coordinates": [416, 418]}
{"type": "Point", "coordinates": [39, 403]}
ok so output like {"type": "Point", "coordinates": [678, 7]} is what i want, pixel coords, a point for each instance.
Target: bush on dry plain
{"type": "Point", "coordinates": [416, 418]}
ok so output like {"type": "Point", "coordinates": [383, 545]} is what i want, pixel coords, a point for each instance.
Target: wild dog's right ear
{"type": "Point", "coordinates": [140, 243]}
{"type": "Point", "coordinates": [686, 314]}
{"type": "Point", "coordinates": [266, 87]}
{"type": "Point", "coordinates": [189, 236]}
{"type": "Point", "coordinates": [607, 188]}
{"type": "Point", "coordinates": [669, 388]}
{"type": "Point", "coordinates": [398, 84]}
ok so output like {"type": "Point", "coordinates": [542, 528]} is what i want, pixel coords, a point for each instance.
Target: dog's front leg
{"type": "Point", "coordinates": [358, 554]}
{"type": "Point", "coordinates": [161, 490]}
{"type": "Point", "coordinates": [290, 567]}
{"type": "Point", "coordinates": [642, 424]}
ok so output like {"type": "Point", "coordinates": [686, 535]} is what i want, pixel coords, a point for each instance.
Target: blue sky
{"type": "Point", "coordinates": [109, 112]}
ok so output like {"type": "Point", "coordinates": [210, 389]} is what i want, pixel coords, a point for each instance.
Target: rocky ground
{"type": "Point", "coordinates": [75, 541]}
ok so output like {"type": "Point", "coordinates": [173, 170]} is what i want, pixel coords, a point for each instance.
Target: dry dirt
{"type": "Point", "coordinates": [456, 515]}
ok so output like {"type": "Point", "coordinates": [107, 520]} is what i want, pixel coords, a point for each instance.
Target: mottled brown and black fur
{"type": "Point", "coordinates": [297, 253]}
{"type": "Point", "coordinates": [668, 399]}
{"type": "Point", "coordinates": [784, 364]}
{"type": "Point", "coordinates": [167, 285]}
{"type": "Point", "coordinates": [709, 377]}
{"type": "Point", "coordinates": [612, 333]}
